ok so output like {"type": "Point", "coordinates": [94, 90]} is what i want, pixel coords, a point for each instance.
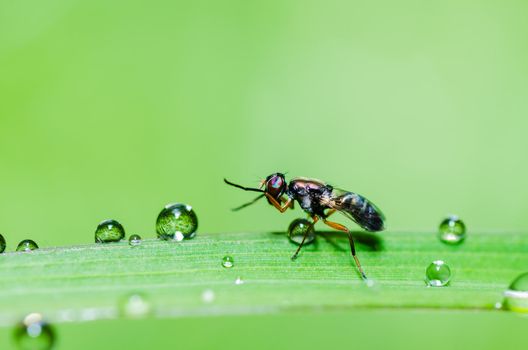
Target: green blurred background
{"type": "Point", "coordinates": [113, 109]}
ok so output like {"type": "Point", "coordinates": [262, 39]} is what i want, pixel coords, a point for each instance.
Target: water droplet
{"type": "Point", "coordinates": [516, 296]}
{"type": "Point", "coordinates": [298, 228]}
{"type": "Point", "coordinates": [134, 240]}
{"type": "Point", "coordinates": [452, 230]}
{"type": "Point", "coordinates": [208, 296]}
{"type": "Point", "coordinates": [135, 305]}
{"type": "Point", "coordinates": [26, 245]}
{"type": "Point", "coordinates": [228, 261]}
{"type": "Point", "coordinates": [369, 282]}
{"type": "Point", "coordinates": [34, 334]}
{"type": "Point", "coordinates": [2, 244]}
{"type": "Point", "coordinates": [239, 281]}
{"type": "Point", "coordinates": [109, 231]}
{"type": "Point", "coordinates": [176, 221]}
{"type": "Point", "coordinates": [437, 274]}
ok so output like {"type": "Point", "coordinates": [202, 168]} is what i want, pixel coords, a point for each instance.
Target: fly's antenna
{"type": "Point", "coordinates": [244, 188]}
{"type": "Point", "coordinates": [248, 203]}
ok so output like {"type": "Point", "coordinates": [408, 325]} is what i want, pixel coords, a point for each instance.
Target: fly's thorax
{"type": "Point", "coordinates": [305, 186]}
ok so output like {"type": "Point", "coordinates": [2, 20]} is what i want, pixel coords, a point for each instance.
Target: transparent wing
{"type": "Point", "coordinates": [357, 208]}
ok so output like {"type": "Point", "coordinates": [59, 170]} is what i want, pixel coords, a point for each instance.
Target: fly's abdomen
{"type": "Point", "coordinates": [361, 210]}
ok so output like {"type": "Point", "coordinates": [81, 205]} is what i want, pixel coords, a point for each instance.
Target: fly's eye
{"type": "Point", "coordinates": [276, 182]}
{"type": "Point", "coordinates": [275, 186]}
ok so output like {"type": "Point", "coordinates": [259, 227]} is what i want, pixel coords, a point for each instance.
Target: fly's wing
{"type": "Point", "coordinates": [358, 208]}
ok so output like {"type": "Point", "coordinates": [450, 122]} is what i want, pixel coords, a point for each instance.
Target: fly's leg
{"type": "Point", "coordinates": [315, 219]}
{"type": "Point", "coordinates": [281, 208]}
{"type": "Point", "coordinates": [285, 200]}
{"type": "Point", "coordinates": [340, 227]}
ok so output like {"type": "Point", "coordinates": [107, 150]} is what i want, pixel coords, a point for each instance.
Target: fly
{"type": "Point", "coordinates": [319, 200]}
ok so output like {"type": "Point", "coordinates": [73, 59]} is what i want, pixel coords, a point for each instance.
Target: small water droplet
{"type": "Point", "coordinates": [134, 240]}
{"type": "Point", "coordinates": [208, 296]}
{"type": "Point", "coordinates": [26, 245]}
{"type": "Point", "coordinates": [34, 334]}
{"type": "Point", "coordinates": [176, 221]}
{"type": "Point", "coordinates": [228, 261]}
{"type": "Point", "coordinates": [298, 228]}
{"type": "Point", "coordinates": [452, 230]}
{"type": "Point", "coordinates": [369, 282]}
{"type": "Point", "coordinates": [516, 296]}
{"type": "Point", "coordinates": [109, 231]}
{"type": "Point", "coordinates": [2, 244]}
{"type": "Point", "coordinates": [437, 274]}
{"type": "Point", "coordinates": [135, 305]}
{"type": "Point", "coordinates": [498, 305]}
{"type": "Point", "coordinates": [239, 281]}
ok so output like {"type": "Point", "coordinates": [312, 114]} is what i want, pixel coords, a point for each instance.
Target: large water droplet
{"type": "Point", "coordinates": [298, 228]}
{"type": "Point", "coordinates": [228, 261]}
{"type": "Point", "coordinates": [34, 334]}
{"type": "Point", "coordinates": [516, 296]}
{"type": "Point", "coordinates": [26, 245]}
{"type": "Point", "coordinates": [2, 244]}
{"type": "Point", "coordinates": [452, 230]}
{"type": "Point", "coordinates": [109, 231]}
{"type": "Point", "coordinates": [437, 274]}
{"type": "Point", "coordinates": [176, 221]}
{"type": "Point", "coordinates": [134, 240]}
{"type": "Point", "coordinates": [135, 305]}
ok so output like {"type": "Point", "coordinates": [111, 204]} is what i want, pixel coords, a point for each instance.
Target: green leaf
{"type": "Point", "coordinates": [87, 282]}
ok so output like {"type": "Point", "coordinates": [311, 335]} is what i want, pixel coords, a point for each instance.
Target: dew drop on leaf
{"type": "Point", "coordinates": [516, 296]}
{"type": "Point", "coordinates": [135, 305]}
{"type": "Point", "coordinates": [208, 296]}
{"type": "Point", "coordinates": [298, 228]}
{"type": "Point", "coordinates": [452, 230]}
{"type": "Point", "coordinates": [437, 274]}
{"type": "Point", "coordinates": [2, 244]}
{"type": "Point", "coordinates": [134, 240]}
{"type": "Point", "coordinates": [228, 261]}
{"type": "Point", "coordinates": [109, 231]}
{"type": "Point", "coordinates": [26, 245]}
{"type": "Point", "coordinates": [176, 221]}
{"type": "Point", "coordinates": [34, 334]}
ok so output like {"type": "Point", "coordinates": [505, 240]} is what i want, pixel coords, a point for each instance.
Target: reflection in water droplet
{"type": "Point", "coordinates": [452, 230]}
{"type": "Point", "coordinates": [176, 221]}
{"type": "Point", "coordinates": [34, 334]}
{"type": "Point", "coordinates": [26, 245]}
{"type": "Point", "coordinates": [228, 261]}
{"type": "Point", "coordinates": [516, 296]}
{"type": "Point", "coordinates": [178, 236]}
{"type": "Point", "coordinates": [298, 228]}
{"type": "Point", "coordinates": [437, 274]}
{"type": "Point", "coordinates": [135, 305]}
{"type": "Point", "coordinates": [134, 240]}
{"type": "Point", "coordinates": [109, 231]}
